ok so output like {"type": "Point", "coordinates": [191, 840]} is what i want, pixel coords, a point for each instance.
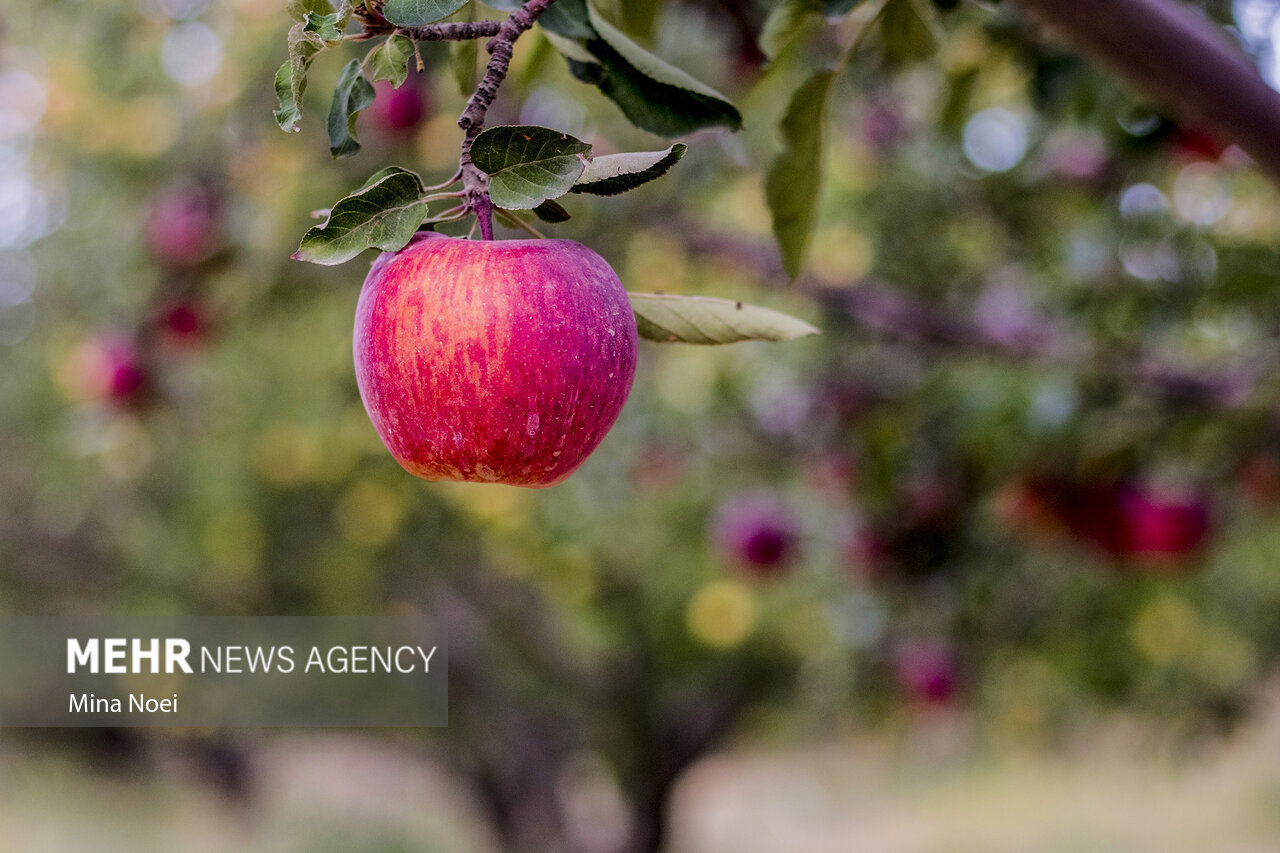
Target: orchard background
{"type": "Point", "coordinates": [1000, 541]}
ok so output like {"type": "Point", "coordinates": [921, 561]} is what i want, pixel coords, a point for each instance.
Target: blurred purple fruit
{"type": "Point", "coordinates": [926, 671]}
{"type": "Point", "coordinates": [757, 532]}
{"type": "Point", "coordinates": [184, 226]}
{"type": "Point", "coordinates": [398, 111]}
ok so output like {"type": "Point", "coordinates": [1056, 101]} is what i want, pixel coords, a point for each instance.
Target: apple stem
{"type": "Point", "coordinates": [501, 48]}
{"type": "Point", "coordinates": [483, 207]}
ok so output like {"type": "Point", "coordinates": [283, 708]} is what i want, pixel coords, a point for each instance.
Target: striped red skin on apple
{"type": "Point", "coordinates": [493, 361]}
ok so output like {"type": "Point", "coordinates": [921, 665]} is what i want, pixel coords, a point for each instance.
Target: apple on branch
{"type": "Point", "coordinates": [499, 361]}
{"type": "Point", "coordinates": [493, 361]}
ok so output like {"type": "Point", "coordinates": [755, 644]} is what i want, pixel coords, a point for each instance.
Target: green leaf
{"type": "Point", "coordinates": [462, 61]}
{"type": "Point", "coordinates": [794, 183]}
{"type": "Point", "coordinates": [313, 33]}
{"type": "Point", "coordinates": [464, 54]}
{"type": "Point", "coordinates": [390, 60]}
{"type": "Point", "coordinates": [706, 320]}
{"type": "Point", "coordinates": [528, 165]}
{"type": "Point", "coordinates": [786, 22]}
{"type": "Point", "coordinates": [956, 109]}
{"type": "Point", "coordinates": [419, 13]}
{"type": "Point", "coordinates": [652, 94]}
{"type": "Point", "coordinates": [289, 112]}
{"type": "Point", "coordinates": [568, 18]}
{"type": "Point", "coordinates": [636, 17]}
{"type": "Point", "coordinates": [328, 27]}
{"type": "Point", "coordinates": [382, 214]}
{"type": "Point", "coordinates": [616, 173]}
{"type": "Point", "coordinates": [552, 211]}
{"type": "Point", "coordinates": [907, 30]}
{"type": "Point", "coordinates": [299, 9]}
{"type": "Point", "coordinates": [574, 50]}
{"type": "Point", "coordinates": [352, 94]}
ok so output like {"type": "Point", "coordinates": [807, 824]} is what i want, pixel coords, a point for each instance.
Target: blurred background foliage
{"type": "Point", "coordinates": [1028, 475]}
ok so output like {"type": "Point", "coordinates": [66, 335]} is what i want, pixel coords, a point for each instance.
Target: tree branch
{"type": "Point", "coordinates": [375, 24]}
{"type": "Point", "coordinates": [457, 31]}
{"type": "Point", "coordinates": [897, 317]}
{"type": "Point", "coordinates": [1175, 55]}
{"type": "Point", "coordinates": [501, 48]}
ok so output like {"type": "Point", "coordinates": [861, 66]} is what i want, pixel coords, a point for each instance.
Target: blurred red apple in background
{"type": "Point", "coordinates": [182, 323]}
{"type": "Point", "coordinates": [493, 361]}
{"type": "Point", "coordinates": [757, 532]}
{"type": "Point", "coordinates": [398, 111]}
{"type": "Point", "coordinates": [1124, 520]}
{"type": "Point", "coordinates": [184, 225]}
{"type": "Point", "coordinates": [1162, 524]}
{"type": "Point", "coordinates": [1197, 144]}
{"type": "Point", "coordinates": [108, 366]}
{"type": "Point", "coordinates": [926, 671]}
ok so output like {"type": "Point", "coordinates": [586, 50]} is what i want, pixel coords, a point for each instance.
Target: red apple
{"type": "Point", "coordinates": [493, 361]}
{"type": "Point", "coordinates": [1162, 525]}
{"type": "Point", "coordinates": [926, 671]}
{"type": "Point", "coordinates": [184, 226]}
{"type": "Point", "coordinates": [108, 367]}
{"type": "Point", "coordinates": [1123, 520]}
{"type": "Point", "coordinates": [182, 323]}
{"type": "Point", "coordinates": [1197, 144]}
{"type": "Point", "coordinates": [397, 111]}
{"type": "Point", "coordinates": [757, 532]}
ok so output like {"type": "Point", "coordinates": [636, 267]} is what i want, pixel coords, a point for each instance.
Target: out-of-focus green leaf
{"type": "Point", "coordinates": [667, 318]}
{"type": "Point", "coordinates": [462, 62]}
{"type": "Point", "coordinates": [382, 214]}
{"type": "Point", "coordinates": [390, 60]}
{"type": "Point", "coordinates": [352, 94]}
{"type": "Point", "coordinates": [907, 30]}
{"type": "Point", "coordinates": [635, 17]}
{"type": "Point", "coordinates": [419, 13]}
{"type": "Point", "coordinates": [786, 22]}
{"type": "Point", "coordinates": [794, 184]}
{"type": "Point", "coordinates": [464, 54]}
{"type": "Point", "coordinates": [616, 173]}
{"type": "Point", "coordinates": [528, 165]}
{"type": "Point", "coordinates": [569, 19]}
{"type": "Point", "coordinates": [832, 8]}
{"type": "Point", "coordinates": [956, 109]}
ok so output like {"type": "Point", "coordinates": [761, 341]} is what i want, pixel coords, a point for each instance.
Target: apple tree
{"type": "Point", "coordinates": [1028, 470]}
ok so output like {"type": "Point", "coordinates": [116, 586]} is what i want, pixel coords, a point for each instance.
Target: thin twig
{"type": "Point", "coordinates": [457, 176]}
{"type": "Point", "coordinates": [501, 48]}
{"type": "Point", "coordinates": [451, 215]}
